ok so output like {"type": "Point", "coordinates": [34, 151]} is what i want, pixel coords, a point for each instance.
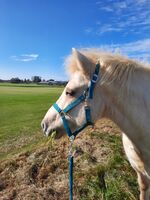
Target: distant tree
{"type": "Point", "coordinates": [25, 80]}
{"type": "Point", "coordinates": [15, 80]}
{"type": "Point", "coordinates": [51, 80]}
{"type": "Point", "coordinates": [36, 79]}
{"type": "Point", "coordinates": [28, 81]}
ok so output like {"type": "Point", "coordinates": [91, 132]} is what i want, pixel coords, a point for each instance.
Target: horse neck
{"type": "Point", "coordinates": [125, 104]}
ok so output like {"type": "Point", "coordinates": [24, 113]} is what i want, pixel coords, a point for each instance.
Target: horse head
{"type": "Point", "coordinates": [81, 70]}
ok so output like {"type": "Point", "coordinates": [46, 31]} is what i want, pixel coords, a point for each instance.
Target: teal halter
{"type": "Point", "coordinates": [87, 94]}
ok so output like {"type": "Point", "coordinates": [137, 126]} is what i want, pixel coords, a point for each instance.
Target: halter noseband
{"type": "Point", "coordinates": [87, 95]}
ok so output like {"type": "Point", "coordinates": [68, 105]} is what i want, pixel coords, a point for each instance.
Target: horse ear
{"type": "Point", "coordinates": [83, 63]}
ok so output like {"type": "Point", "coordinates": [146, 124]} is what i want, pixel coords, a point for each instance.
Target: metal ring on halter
{"type": "Point", "coordinates": [71, 152]}
{"type": "Point", "coordinates": [95, 78]}
{"type": "Point", "coordinates": [62, 113]}
{"type": "Point", "coordinates": [71, 138]}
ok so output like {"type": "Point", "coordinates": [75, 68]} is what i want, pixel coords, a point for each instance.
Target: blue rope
{"type": "Point", "coordinates": [71, 176]}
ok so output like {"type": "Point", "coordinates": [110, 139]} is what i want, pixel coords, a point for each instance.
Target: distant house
{"type": "Point", "coordinates": [43, 83]}
{"type": "Point", "coordinates": [53, 82]}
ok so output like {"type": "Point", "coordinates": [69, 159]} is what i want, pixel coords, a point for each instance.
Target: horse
{"type": "Point", "coordinates": [122, 94]}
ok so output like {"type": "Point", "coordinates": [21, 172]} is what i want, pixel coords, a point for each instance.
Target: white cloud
{"type": "Point", "coordinates": [130, 17]}
{"type": "Point", "coordinates": [25, 57]}
{"type": "Point", "coordinates": [120, 5]}
{"type": "Point", "coordinates": [88, 30]}
{"type": "Point", "coordinates": [107, 8]}
{"type": "Point", "coordinates": [141, 1]}
{"type": "Point", "coordinates": [107, 28]}
{"type": "Point", "coordinates": [139, 49]}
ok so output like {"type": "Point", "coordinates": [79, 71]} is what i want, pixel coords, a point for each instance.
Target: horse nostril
{"type": "Point", "coordinates": [44, 126]}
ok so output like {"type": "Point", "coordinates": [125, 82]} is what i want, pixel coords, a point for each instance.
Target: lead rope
{"type": "Point", "coordinates": [70, 159]}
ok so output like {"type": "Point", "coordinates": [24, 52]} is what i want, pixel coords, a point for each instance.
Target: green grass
{"type": "Point", "coordinates": [21, 112]}
{"type": "Point", "coordinates": [22, 85]}
{"type": "Point", "coordinates": [113, 180]}
{"type": "Point", "coordinates": [28, 85]}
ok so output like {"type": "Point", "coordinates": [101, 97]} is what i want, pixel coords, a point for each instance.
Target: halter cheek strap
{"type": "Point", "coordinates": [87, 95]}
{"type": "Point", "coordinates": [64, 112]}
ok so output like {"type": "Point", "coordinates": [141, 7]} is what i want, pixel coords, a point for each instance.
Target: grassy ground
{"type": "Point", "coordinates": [21, 111]}
{"type": "Point", "coordinates": [30, 168]}
{"type": "Point", "coordinates": [113, 179]}
{"type": "Point", "coordinates": [22, 85]}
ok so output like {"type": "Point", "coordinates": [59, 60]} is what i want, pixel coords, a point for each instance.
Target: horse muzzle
{"type": "Point", "coordinates": [48, 130]}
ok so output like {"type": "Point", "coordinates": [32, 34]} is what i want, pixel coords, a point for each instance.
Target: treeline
{"type": "Point", "coordinates": [34, 79]}
{"type": "Point", "coordinates": [18, 80]}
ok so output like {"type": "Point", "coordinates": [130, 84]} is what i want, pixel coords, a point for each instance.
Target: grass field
{"type": "Point", "coordinates": [21, 111]}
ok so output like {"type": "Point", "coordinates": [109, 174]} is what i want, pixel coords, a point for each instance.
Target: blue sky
{"type": "Point", "coordinates": [36, 35]}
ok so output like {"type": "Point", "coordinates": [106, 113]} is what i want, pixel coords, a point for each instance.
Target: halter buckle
{"type": "Point", "coordinates": [94, 79]}
{"type": "Point", "coordinates": [62, 113]}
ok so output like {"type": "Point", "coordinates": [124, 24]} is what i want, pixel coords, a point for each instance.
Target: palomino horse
{"type": "Point", "coordinates": [122, 94]}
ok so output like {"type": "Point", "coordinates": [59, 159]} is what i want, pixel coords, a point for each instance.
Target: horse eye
{"type": "Point", "coordinates": [70, 92]}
